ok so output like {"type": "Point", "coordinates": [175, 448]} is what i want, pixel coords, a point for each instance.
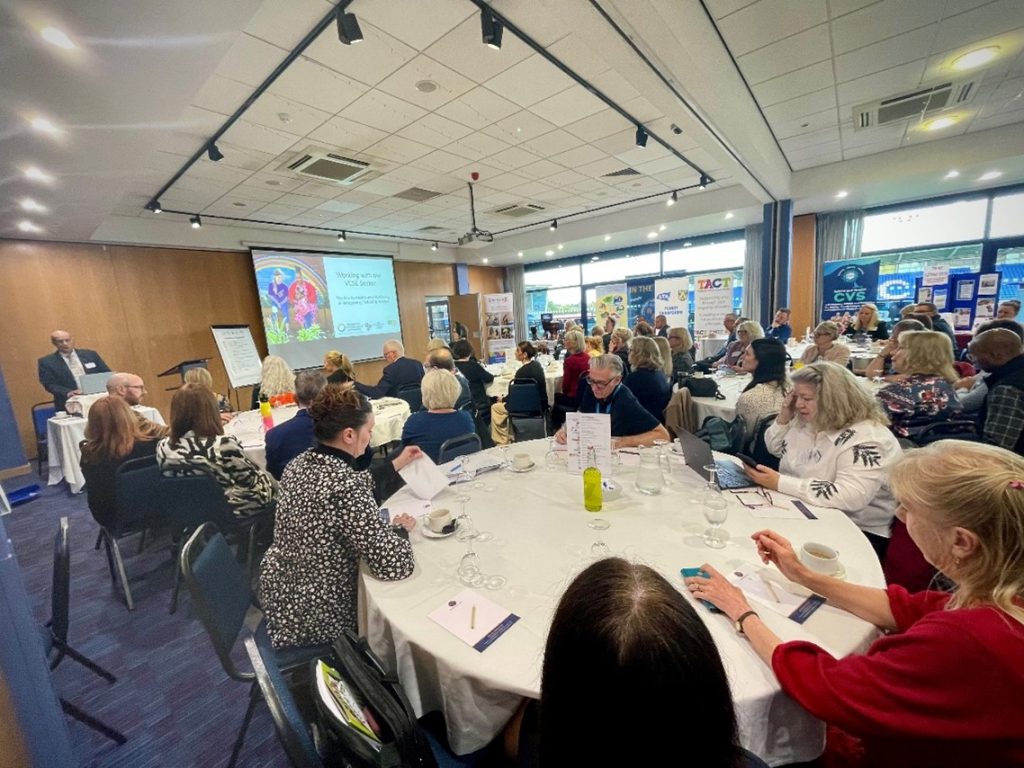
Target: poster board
{"type": "Point", "coordinates": [671, 299]}
{"type": "Point", "coordinates": [500, 321]}
{"type": "Point", "coordinates": [611, 302]}
{"type": "Point", "coordinates": [848, 284]}
{"type": "Point", "coordinates": [712, 300]}
{"type": "Point", "coordinates": [970, 297]}
{"type": "Point", "coordinates": [641, 300]}
{"type": "Point", "coordinates": [238, 352]}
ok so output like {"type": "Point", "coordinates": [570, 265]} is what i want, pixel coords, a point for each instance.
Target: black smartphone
{"type": "Point", "coordinates": [746, 460]}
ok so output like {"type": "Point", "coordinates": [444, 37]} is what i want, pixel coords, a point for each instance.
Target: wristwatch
{"type": "Point", "coordinates": [741, 618]}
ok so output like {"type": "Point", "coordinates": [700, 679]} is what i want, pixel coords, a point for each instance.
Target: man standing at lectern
{"type": "Point", "coordinates": [59, 373]}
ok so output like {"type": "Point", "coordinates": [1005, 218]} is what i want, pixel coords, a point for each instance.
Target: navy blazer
{"type": "Point", "coordinates": [288, 440]}
{"type": "Point", "coordinates": [399, 373]}
{"type": "Point", "coordinates": [56, 378]}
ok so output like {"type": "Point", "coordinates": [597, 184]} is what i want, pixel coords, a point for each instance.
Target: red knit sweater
{"type": "Point", "coordinates": [573, 365]}
{"type": "Point", "coordinates": [946, 689]}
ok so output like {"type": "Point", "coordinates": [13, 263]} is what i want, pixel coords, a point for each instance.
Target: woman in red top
{"type": "Point", "coordinates": [576, 362]}
{"type": "Point", "coordinates": [945, 686]}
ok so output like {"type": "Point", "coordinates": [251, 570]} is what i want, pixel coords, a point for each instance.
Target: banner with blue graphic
{"type": "Point", "coordinates": [848, 284]}
{"type": "Point", "coordinates": [641, 300]}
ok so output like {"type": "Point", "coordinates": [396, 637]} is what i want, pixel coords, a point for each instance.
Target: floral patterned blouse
{"type": "Point", "coordinates": [918, 401]}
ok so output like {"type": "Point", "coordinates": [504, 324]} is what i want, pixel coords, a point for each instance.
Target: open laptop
{"type": "Point", "coordinates": [697, 453]}
{"type": "Point", "coordinates": [94, 383]}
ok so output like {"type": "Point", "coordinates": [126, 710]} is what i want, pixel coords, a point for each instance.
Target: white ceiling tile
{"type": "Point", "coordinates": [568, 106]}
{"type": "Point", "coordinates": [839, 8]}
{"type": "Point", "coordinates": [886, 54]}
{"type": "Point", "coordinates": [505, 181]}
{"type": "Point", "coordinates": [793, 84]}
{"type": "Point", "coordinates": [382, 111]}
{"type": "Point", "coordinates": [402, 83]}
{"type": "Point", "coordinates": [384, 187]}
{"type": "Point", "coordinates": [462, 50]}
{"type": "Point", "coordinates": [565, 178]}
{"type": "Point", "coordinates": [299, 119]}
{"type": "Point", "coordinates": [806, 140]}
{"type": "Point", "coordinates": [519, 127]}
{"type": "Point", "coordinates": [411, 175]}
{"type": "Point", "coordinates": [805, 105]}
{"type": "Point", "coordinates": [278, 182]}
{"type": "Point", "coordinates": [235, 205]}
{"type": "Point", "coordinates": [763, 23]}
{"type": "Point", "coordinates": [785, 127]}
{"type": "Point", "coordinates": [1004, 117]}
{"type": "Point", "coordinates": [597, 126]}
{"type": "Point", "coordinates": [553, 143]}
{"type": "Point", "coordinates": [310, 83]}
{"type": "Point", "coordinates": [221, 95]}
{"type": "Point", "coordinates": [881, 85]}
{"type": "Point", "coordinates": [530, 189]}
{"type": "Point", "coordinates": [249, 60]}
{"type": "Point", "coordinates": [581, 155]}
{"type": "Point", "coordinates": [476, 146]}
{"type": "Point", "coordinates": [340, 133]}
{"type": "Point", "coordinates": [601, 167]}
{"type": "Point", "coordinates": [278, 212]}
{"type": "Point", "coordinates": [614, 86]}
{"type": "Point", "coordinates": [358, 196]}
{"type": "Point", "coordinates": [987, 21]}
{"type": "Point", "coordinates": [541, 169]}
{"type": "Point", "coordinates": [512, 158]}
{"type": "Point", "coordinates": [251, 191]}
{"type": "Point", "coordinates": [635, 155]}
{"type": "Point", "coordinates": [304, 202]}
{"type": "Point", "coordinates": [285, 22]}
{"type": "Point", "coordinates": [478, 108]}
{"type": "Point", "coordinates": [796, 52]}
{"type": "Point", "coordinates": [720, 8]}
{"type": "Point", "coordinates": [888, 135]}
{"type": "Point", "coordinates": [616, 143]}
{"type": "Point", "coordinates": [882, 20]}
{"type": "Point", "coordinates": [338, 206]}
{"type": "Point", "coordinates": [395, 149]}
{"type": "Point", "coordinates": [579, 54]}
{"type": "Point", "coordinates": [371, 61]}
{"type": "Point", "coordinates": [259, 137]}
{"type": "Point", "coordinates": [440, 161]}
{"type": "Point", "coordinates": [434, 130]}
{"type": "Point", "coordinates": [653, 167]}
{"type": "Point", "coordinates": [415, 23]}
{"type": "Point", "coordinates": [529, 81]}
{"type": "Point", "coordinates": [642, 110]}
{"type": "Point", "coordinates": [881, 145]}
{"type": "Point", "coordinates": [217, 172]}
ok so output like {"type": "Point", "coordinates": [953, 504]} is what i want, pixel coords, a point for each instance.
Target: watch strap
{"type": "Point", "coordinates": [743, 617]}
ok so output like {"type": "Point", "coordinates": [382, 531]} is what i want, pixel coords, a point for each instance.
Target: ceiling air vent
{"type": "Point", "coordinates": [916, 104]}
{"type": "Point", "coordinates": [328, 166]}
{"type": "Point", "coordinates": [518, 210]}
{"type": "Point", "coordinates": [417, 194]}
{"type": "Point", "coordinates": [622, 172]}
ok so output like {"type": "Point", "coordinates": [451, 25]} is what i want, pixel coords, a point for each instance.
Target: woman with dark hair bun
{"type": "Point", "coordinates": [767, 390]}
{"type": "Point", "coordinates": [530, 370]}
{"type": "Point", "coordinates": [327, 522]}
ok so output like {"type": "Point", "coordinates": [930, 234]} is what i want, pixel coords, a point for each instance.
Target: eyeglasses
{"type": "Point", "coordinates": [754, 499]}
{"type": "Point", "coordinates": [596, 383]}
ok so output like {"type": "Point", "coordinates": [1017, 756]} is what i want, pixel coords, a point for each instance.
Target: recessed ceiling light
{"type": "Point", "coordinates": [57, 37]}
{"type": "Point", "coordinates": [43, 125]}
{"type": "Point", "coordinates": [595, 258]}
{"type": "Point", "coordinates": [607, 238]}
{"type": "Point", "coordinates": [28, 204]}
{"type": "Point", "coordinates": [426, 86]}
{"type": "Point", "coordinates": [284, 117]}
{"type": "Point", "coordinates": [28, 226]}
{"type": "Point", "coordinates": [662, 228]}
{"type": "Point", "coordinates": [560, 246]}
{"type": "Point", "coordinates": [940, 122]}
{"type": "Point", "coordinates": [549, 253]}
{"type": "Point", "coordinates": [989, 175]}
{"type": "Point", "coordinates": [952, 174]}
{"type": "Point", "coordinates": [651, 235]}
{"type": "Point", "coordinates": [519, 255]}
{"type": "Point", "coordinates": [35, 174]}
{"type": "Point", "coordinates": [975, 58]}
{"type": "Point", "coordinates": [729, 215]}
{"type": "Point", "coordinates": [841, 194]}
{"type": "Point", "coordinates": [484, 259]}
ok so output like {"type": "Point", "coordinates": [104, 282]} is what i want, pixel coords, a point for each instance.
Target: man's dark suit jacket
{"type": "Point", "coordinates": [288, 440]}
{"type": "Point", "coordinates": [403, 371]}
{"type": "Point", "coordinates": [56, 378]}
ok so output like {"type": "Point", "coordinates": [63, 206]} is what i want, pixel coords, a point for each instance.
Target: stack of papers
{"type": "Point", "coordinates": [347, 705]}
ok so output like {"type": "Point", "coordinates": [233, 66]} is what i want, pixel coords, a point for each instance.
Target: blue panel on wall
{"type": "Point", "coordinates": [462, 279]}
{"type": "Point", "coordinates": [11, 452]}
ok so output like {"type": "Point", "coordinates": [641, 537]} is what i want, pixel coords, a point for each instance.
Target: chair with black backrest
{"type": "Point", "coordinates": [413, 395]}
{"type": "Point", "coordinates": [42, 413]}
{"type": "Point", "coordinates": [954, 429]}
{"type": "Point", "coordinates": [526, 419]}
{"type": "Point", "coordinates": [55, 633]}
{"type": "Point", "coordinates": [457, 446]}
{"type": "Point", "coordinates": [758, 448]}
{"type": "Point", "coordinates": [221, 595]}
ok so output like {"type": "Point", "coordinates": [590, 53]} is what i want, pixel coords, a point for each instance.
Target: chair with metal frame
{"type": "Point", "coordinates": [526, 418]}
{"type": "Point", "coordinates": [42, 413]}
{"type": "Point", "coordinates": [413, 395]}
{"type": "Point", "coordinates": [457, 446]}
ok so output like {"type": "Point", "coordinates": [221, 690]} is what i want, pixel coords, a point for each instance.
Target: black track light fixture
{"type": "Point", "coordinates": [341, 237]}
{"type": "Point", "coordinates": [554, 225]}
{"type": "Point", "coordinates": [214, 153]}
{"type": "Point", "coordinates": [348, 27]}
{"type": "Point", "coordinates": [641, 136]}
{"type": "Point", "coordinates": [673, 198]}
{"type": "Point", "coordinates": [196, 222]}
{"type": "Point", "coordinates": [433, 247]}
{"type": "Point", "coordinates": [704, 181]}
{"type": "Point", "coordinates": [491, 30]}
{"type": "Point", "coordinates": [154, 206]}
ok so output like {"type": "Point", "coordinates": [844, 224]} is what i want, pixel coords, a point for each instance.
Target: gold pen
{"type": "Point", "coordinates": [472, 617]}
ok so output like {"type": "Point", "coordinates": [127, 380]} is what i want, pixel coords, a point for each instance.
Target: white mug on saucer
{"type": "Point", "coordinates": [820, 558]}
{"type": "Point", "coordinates": [521, 461]}
{"type": "Point", "coordinates": [438, 520]}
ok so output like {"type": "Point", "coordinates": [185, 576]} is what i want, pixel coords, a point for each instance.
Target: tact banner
{"type": "Point", "coordinates": [712, 300]}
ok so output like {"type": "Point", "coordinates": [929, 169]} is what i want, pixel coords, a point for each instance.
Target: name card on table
{"type": "Point", "coordinates": [589, 430]}
{"type": "Point", "coordinates": [474, 619]}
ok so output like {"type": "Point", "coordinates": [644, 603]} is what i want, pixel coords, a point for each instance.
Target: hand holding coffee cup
{"type": "Point", "coordinates": [522, 461]}
{"type": "Point", "coordinates": [438, 520]}
{"type": "Point", "coordinates": [820, 558]}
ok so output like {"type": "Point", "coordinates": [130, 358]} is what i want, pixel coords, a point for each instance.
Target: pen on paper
{"type": "Point", "coordinates": [472, 618]}
{"type": "Point", "coordinates": [771, 589]}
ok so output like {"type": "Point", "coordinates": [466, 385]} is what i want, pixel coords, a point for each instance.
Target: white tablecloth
{"type": "Point", "coordinates": [709, 347]}
{"type": "Point", "coordinates": [540, 542]}
{"type": "Point", "coordinates": [390, 415]}
{"type": "Point", "coordinates": [552, 377]}
{"type": "Point", "coordinates": [64, 435]}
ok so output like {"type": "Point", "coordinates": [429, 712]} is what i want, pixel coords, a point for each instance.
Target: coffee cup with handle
{"type": "Point", "coordinates": [522, 461]}
{"type": "Point", "coordinates": [820, 558]}
{"type": "Point", "coordinates": [438, 520]}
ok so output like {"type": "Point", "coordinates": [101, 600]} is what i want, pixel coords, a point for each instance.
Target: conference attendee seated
{"type": "Point", "coordinates": [941, 687]}
{"type": "Point", "coordinates": [197, 445]}
{"type": "Point", "coordinates": [623, 633]}
{"type": "Point", "coordinates": [661, 326]}
{"type": "Point", "coordinates": [277, 382]}
{"type": "Point", "coordinates": [619, 345]}
{"type": "Point", "coordinates": [643, 328]}
{"type": "Point", "coordinates": [938, 324]}
{"type": "Point", "coordinates": [681, 343]}
{"type": "Point", "coordinates": [60, 372]}
{"type": "Point", "coordinates": [631, 424]}
{"type": "Point", "coordinates": [746, 332]}
{"type": "Point", "coordinates": [529, 370]}
{"type": "Point", "coordinates": [881, 364]}
{"type": "Point", "coordinates": [574, 365]}
{"type": "Point", "coordinates": [290, 438]}
{"type": "Point", "coordinates": [765, 360]}
{"type": "Point", "coordinates": [327, 523]}
{"type": "Point", "coordinates": [923, 394]}
{"type": "Point", "coordinates": [204, 378]}
{"type": "Point", "coordinates": [836, 449]}
{"type": "Point", "coordinates": [429, 428]}
{"type": "Point", "coordinates": [998, 352]}
{"type": "Point", "coordinates": [661, 342]}
{"type": "Point", "coordinates": [971, 390]}
{"type": "Point", "coordinates": [825, 346]}
{"type": "Point", "coordinates": [646, 380]}
{"type": "Point", "coordinates": [477, 376]}
{"type": "Point", "coordinates": [441, 358]}
{"type": "Point", "coordinates": [1008, 310]}
{"type": "Point", "coordinates": [867, 324]}
{"type": "Point", "coordinates": [112, 437]}
{"type": "Point", "coordinates": [780, 328]}
{"type": "Point", "coordinates": [131, 389]}
{"type": "Point", "coordinates": [609, 327]}
{"type": "Point", "coordinates": [400, 371]}
{"type": "Point", "coordinates": [594, 346]}
{"type": "Point", "coordinates": [338, 368]}
{"type": "Point", "coordinates": [729, 322]}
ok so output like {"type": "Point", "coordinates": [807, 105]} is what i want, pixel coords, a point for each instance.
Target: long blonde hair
{"type": "Point", "coordinates": [666, 354]}
{"type": "Point", "coordinates": [872, 323]}
{"type": "Point", "coordinates": [339, 362]}
{"type": "Point", "coordinates": [276, 377]}
{"type": "Point", "coordinates": [980, 488]}
{"type": "Point", "coordinates": [842, 399]}
{"type": "Point", "coordinates": [928, 352]}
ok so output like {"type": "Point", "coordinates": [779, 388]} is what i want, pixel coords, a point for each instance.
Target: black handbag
{"type": "Point", "coordinates": [703, 387]}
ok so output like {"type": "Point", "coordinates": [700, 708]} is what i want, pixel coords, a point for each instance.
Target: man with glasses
{"type": "Point", "coordinates": [132, 389]}
{"type": "Point", "coordinates": [399, 371]}
{"type": "Point", "coordinates": [59, 373]}
{"type": "Point", "coordinates": [632, 424]}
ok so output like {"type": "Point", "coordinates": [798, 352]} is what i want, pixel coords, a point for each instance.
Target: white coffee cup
{"type": "Point", "coordinates": [521, 461]}
{"type": "Point", "coordinates": [820, 558]}
{"type": "Point", "coordinates": [438, 520]}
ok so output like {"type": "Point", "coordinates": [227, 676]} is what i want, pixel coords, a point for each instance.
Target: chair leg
{"type": "Point", "coordinates": [84, 660]}
{"type": "Point", "coordinates": [121, 574]}
{"type": "Point", "coordinates": [97, 725]}
{"type": "Point", "coordinates": [99, 538]}
{"type": "Point", "coordinates": [142, 540]}
{"type": "Point", "coordinates": [240, 739]}
{"type": "Point", "coordinates": [177, 572]}
{"type": "Point", "coordinates": [110, 560]}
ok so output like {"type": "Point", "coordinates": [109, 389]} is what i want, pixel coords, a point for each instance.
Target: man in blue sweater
{"type": "Point", "coordinates": [288, 440]}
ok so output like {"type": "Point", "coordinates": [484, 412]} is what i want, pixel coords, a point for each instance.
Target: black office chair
{"type": "Point", "coordinates": [954, 429]}
{"type": "Point", "coordinates": [413, 395]}
{"type": "Point", "coordinates": [55, 633]}
{"type": "Point", "coordinates": [526, 419]}
{"type": "Point", "coordinates": [458, 446]}
{"type": "Point", "coordinates": [41, 413]}
{"type": "Point", "coordinates": [758, 448]}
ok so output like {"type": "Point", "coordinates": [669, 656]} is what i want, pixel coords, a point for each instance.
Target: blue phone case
{"type": "Point", "coordinates": [689, 573]}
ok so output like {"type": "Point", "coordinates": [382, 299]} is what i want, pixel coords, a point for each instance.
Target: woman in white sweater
{"type": "Point", "coordinates": [836, 449]}
{"type": "Point", "coordinates": [767, 390]}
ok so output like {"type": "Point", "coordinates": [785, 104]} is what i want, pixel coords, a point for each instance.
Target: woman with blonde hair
{"type": "Point", "coordinates": [666, 354]}
{"type": "Point", "coordinates": [881, 365]}
{"type": "Point", "coordinates": [594, 345]}
{"type": "Point", "coordinates": [204, 378]}
{"type": "Point", "coordinates": [276, 381]}
{"type": "Point", "coordinates": [942, 687]}
{"type": "Point", "coordinates": [924, 393]}
{"type": "Point", "coordinates": [825, 347]}
{"type": "Point", "coordinates": [647, 381]}
{"type": "Point", "coordinates": [867, 323]}
{"type": "Point", "coordinates": [619, 345]}
{"type": "Point", "coordinates": [835, 448]}
{"type": "Point", "coordinates": [746, 332]}
{"type": "Point", "coordinates": [338, 368]}
{"type": "Point", "coordinates": [680, 342]}
{"type": "Point", "coordinates": [439, 420]}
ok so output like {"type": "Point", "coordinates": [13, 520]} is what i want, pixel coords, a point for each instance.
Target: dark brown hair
{"type": "Point", "coordinates": [925, 320]}
{"type": "Point", "coordinates": [527, 349]}
{"type": "Point", "coordinates": [194, 407]}
{"type": "Point", "coordinates": [112, 431]}
{"type": "Point", "coordinates": [336, 409]}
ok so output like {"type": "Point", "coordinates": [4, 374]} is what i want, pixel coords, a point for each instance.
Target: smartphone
{"type": "Point", "coordinates": [746, 460]}
{"type": "Point", "coordinates": [689, 573]}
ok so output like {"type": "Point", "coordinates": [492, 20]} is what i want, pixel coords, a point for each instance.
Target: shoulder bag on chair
{"type": "Point", "coordinates": [702, 387]}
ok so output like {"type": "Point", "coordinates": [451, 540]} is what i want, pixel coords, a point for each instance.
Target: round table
{"type": "Point", "coordinates": [499, 387]}
{"type": "Point", "coordinates": [540, 542]}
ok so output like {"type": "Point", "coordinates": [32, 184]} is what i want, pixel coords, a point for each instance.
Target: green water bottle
{"type": "Point", "coordinates": [593, 494]}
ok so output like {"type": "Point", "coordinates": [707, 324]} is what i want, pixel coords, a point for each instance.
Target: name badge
{"type": "Point", "coordinates": [90, 365]}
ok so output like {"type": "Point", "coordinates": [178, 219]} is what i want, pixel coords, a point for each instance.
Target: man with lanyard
{"type": "Point", "coordinates": [60, 372]}
{"type": "Point", "coordinates": [632, 425]}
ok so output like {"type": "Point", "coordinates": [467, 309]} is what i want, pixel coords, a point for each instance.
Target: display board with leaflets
{"type": "Point", "coordinates": [969, 296]}
{"type": "Point", "coordinates": [712, 300]}
{"type": "Point", "coordinates": [501, 326]}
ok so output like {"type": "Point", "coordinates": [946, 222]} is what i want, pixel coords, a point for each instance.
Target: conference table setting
{"type": "Point", "coordinates": [505, 373]}
{"type": "Point", "coordinates": [466, 632]}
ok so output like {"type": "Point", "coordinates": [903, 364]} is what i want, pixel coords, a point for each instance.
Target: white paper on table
{"type": "Point", "coordinates": [412, 507]}
{"type": "Point", "coordinates": [423, 477]}
{"type": "Point", "coordinates": [589, 430]}
{"type": "Point", "coordinates": [629, 457]}
{"type": "Point", "coordinates": [474, 619]}
{"type": "Point", "coordinates": [759, 583]}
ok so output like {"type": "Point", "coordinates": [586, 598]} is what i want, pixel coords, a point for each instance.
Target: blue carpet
{"type": "Point", "coordinates": [172, 699]}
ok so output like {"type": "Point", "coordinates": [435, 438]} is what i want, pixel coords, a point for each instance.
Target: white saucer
{"type": "Point", "coordinates": [529, 468]}
{"type": "Point", "coordinates": [429, 534]}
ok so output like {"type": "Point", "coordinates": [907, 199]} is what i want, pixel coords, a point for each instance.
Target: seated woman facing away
{"type": "Point", "coordinates": [825, 346]}
{"type": "Point", "coordinates": [943, 687]}
{"type": "Point", "coordinates": [114, 437]}
{"type": "Point", "coordinates": [924, 393]}
{"type": "Point", "coordinates": [881, 364]}
{"type": "Point", "coordinates": [440, 421]}
{"type": "Point", "coordinates": [327, 522]}
{"type": "Point", "coordinates": [835, 449]}
{"type": "Point", "coordinates": [646, 380]}
{"type": "Point", "coordinates": [681, 343]}
{"type": "Point", "coordinates": [622, 633]}
{"type": "Point", "coordinates": [277, 382]}
{"type": "Point", "coordinates": [203, 377]}
{"type": "Point", "coordinates": [197, 445]}
{"type": "Point", "coordinates": [769, 386]}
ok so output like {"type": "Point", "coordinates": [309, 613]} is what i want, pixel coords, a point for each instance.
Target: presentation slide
{"type": "Point", "coordinates": [315, 302]}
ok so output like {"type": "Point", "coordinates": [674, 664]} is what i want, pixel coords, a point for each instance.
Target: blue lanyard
{"type": "Point", "coordinates": [611, 397]}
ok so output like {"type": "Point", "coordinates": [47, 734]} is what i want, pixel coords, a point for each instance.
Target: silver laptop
{"type": "Point", "coordinates": [93, 383]}
{"type": "Point", "coordinates": [697, 454]}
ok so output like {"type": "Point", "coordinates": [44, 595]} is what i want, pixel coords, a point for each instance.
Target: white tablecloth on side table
{"type": "Point", "coordinates": [63, 436]}
{"type": "Point", "coordinates": [540, 541]}
{"type": "Point", "coordinates": [390, 416]}
{"type": "Point", "coordinates": [552, 378]}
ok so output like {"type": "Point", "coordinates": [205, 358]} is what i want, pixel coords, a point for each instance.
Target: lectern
{"type": "Point", "coordinates": [182, 368]}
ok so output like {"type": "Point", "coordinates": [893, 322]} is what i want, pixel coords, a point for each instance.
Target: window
{"type": "Point", "coordinates": [597, 270]}
{"type": "Point", "coordinates": [1007, 215]}
{"type": "Point", "coordinates": [552, 277]}
{"type": "Point", "coordinates": [913, 227]}
{"type": "Point", "coordinates": [562, 303]}
{"type": "Point", "coordinates": [707, 257]}
{"type": "Point", "coordinates": [897, 272]}
{"type": "Point", "coordinates": [1010, 261]}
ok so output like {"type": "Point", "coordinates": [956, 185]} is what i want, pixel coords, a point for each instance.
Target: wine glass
{"type": "Point", "coordinates": [716, 510]}
{"type": "Point", "coordinates": [552, 461]}
{"type": "Point", "coordinates": [599, 548]}
{"type": "Point", "coordinates": [465, 527]}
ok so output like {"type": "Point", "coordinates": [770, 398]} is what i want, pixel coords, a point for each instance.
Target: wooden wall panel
{"type": "Point", "coordinates": [486, 280]}
{"type": "Point", "coordinates": [802, 276]}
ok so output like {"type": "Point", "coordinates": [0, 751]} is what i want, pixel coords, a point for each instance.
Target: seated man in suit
{"type": "Point", "coordinates": [399, 371]}
{"type": "Point", "coordinates": [131, 389]}
{"type": "Point", "coordinates": [632, 424]}
{"type": "Point", "coordinates": [441, 358]}
{"type": "Point", "coordinates": [289, 439]}
{"type": "Point", "coordinates": [59, 373]}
